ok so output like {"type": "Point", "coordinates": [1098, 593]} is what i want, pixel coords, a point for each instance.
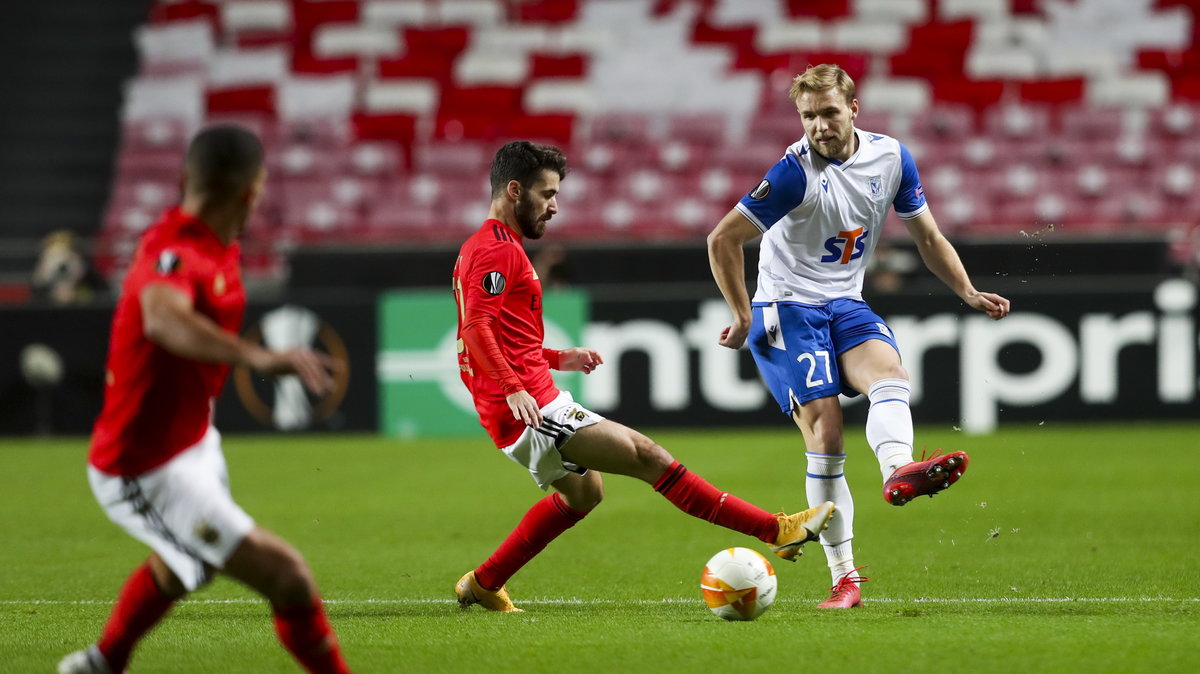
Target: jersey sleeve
{"type": "Point", "coordinates": [483, 295]}
{"type": "Point", "coordinates": [910, 197]}
{"type": "Point", "coordinates": [780, 191]}
{"type": "Point", "coordinates": [175, 264]}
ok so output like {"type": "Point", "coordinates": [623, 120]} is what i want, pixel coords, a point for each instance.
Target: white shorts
{"type": "Point", "coordinates": [538, 448]}
{"type": "Point", "coordinates": [183, 509]}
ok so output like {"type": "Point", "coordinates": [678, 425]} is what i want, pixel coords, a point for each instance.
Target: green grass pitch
{"type": "Point", "coordinates": [1064, 548]}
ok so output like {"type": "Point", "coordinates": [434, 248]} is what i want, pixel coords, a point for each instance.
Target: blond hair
{"type": "Point", "coordinates": [822, 78]}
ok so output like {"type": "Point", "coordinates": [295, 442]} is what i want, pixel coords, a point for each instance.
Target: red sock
{"type": "Point", "coordinates": [695, 496]}
{"type": "Point", "coordinates": [140, 606]}
{"type": "Point", "coordinates": [306, 633]}
{"type": "Point", "coordinates": [548, 518]}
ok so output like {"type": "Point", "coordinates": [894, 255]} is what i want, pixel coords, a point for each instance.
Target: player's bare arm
{"type": "Point", "coordinates": [728, 263]}
{"type": "Point", "coordinates": [170, 320]}
{"type": "Point", "coordinates": [941, 259]}
{"type": "Point", "coordinates": [579, 359]}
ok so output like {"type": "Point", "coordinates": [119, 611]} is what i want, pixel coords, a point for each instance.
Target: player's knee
{"type": "Point", "coordinates": [166, 580]}
{"type": "Point", "coordinates": [826, 435]}
{"type": "Point", "coordinates": [590, 496]}
{"type": "Point", "coordinates": [291, 580]}
{"type": "Point", "coordinates": [581, 492]}
{"type": "Point", "coordinates": [652, 458]}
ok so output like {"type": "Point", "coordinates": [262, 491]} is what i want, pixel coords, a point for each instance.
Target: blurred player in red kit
{"type": "Point", "coordinates": [155, 463]}
{"type": "Point", "coordinates": [561, 443]}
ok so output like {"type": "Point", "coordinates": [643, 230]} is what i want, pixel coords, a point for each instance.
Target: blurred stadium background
{"type": "Point", "coordinates": [1057, 139]}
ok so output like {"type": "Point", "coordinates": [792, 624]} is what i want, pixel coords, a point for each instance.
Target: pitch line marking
{"type": "Point", "coordinates": [641, 602]}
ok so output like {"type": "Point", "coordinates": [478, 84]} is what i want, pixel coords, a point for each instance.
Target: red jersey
{"type": "Point", "coordinates": [157, 404]}
{"type": "Point", "coordinates": [500, 331]}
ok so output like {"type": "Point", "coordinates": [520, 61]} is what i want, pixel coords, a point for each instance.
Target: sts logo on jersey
{"type": "Point", "coordinates": [846, 246]}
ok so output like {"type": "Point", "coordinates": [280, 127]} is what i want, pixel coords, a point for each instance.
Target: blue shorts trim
{"type": "Point", "coordinates": [796, 346]}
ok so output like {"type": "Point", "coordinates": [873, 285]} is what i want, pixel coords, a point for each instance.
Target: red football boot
{"type": "Point", "coordinates": [924, 478]}
{"type": "Point", "coordinates": [846, 593]}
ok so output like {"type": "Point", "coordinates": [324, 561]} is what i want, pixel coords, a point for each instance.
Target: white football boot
{"type": "Point", "coordinates": [87, 661]}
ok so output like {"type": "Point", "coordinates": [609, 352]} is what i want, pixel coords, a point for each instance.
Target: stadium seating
{"type": "Point", "coordinates": [381, 116]}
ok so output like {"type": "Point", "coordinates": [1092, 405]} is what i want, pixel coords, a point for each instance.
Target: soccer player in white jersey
{"type": "Point", "coordinates": [820, 211]}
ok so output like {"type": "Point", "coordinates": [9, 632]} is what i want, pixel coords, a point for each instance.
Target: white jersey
{"type": "Point", "coordinates": [821, 218]}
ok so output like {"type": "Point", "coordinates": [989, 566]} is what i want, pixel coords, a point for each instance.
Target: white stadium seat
{"type": "Point", "coordinates": [248, 66]}
{"type": "Point", "coordinates": [1137, 90]}
{"type": "Point", "coordinates": [559, 95]}
{"type": "Point", "coordinates": [480, 66]}
{"type": "Point", "coordinates": [873, 37]}
{"type": "Point", "coordinates": [789, 35]}
{"type": "Point", "coordinates": [344, 39]}
{"type": "Point", "coordinates": [903, 11]}
{"type": "Point", "coordinates": [179, 98]}
{"type": "Point", "coordinates": [899, 95]}
{"type": "Point", "coordinates": [178, 43]}
{"type": "Point", "coordinates": [309, 97]}
{"type": "Point", "coordinates": [395, 13]}
{"type": "Point", "coordinates": [955, 10]}
{"type": "Point", "coordinates": [472, 12]}
{"type": "Point", "coordinates": [257, 15]}
{"type": "Point", "coordinates": [414, 96]}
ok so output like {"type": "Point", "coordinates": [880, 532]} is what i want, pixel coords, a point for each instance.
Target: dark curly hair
{"type": "Point", "coordinates": [524, 162]}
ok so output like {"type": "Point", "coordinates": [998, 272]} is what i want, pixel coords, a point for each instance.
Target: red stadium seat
{"type": "Point", "coordinates": [163, 12]}
{"type": "Point", "coordinates": [829, 9]}
{"type": "Point", "coordinates": [1052, 91]}
{"type": "Point", "coordinates": [403, 109]}
{"type": "Point", "coordinates": [547, 11]}
{"type": "Point", "coordinates": [398, 128]}
{"type": "Point", "coordinates": [1017, 121]}
{"type": "Point", "coordinates": [944, 122]}
{"type": "Point", "coordinates": [557, 129]}
{"type": "Point", "coordinates": [1093, 123]}
{"type": "Point", "coordinates": [978, 94]}
{"type": "Point", "coordinates": [698, 129]}
{"type": "Point", "coordinates": [554, 65]}
{"type": "Point", "coordinates": [1175, 120]}
{"type": "Point", "coordinates": [624, 128]}
{"type": "Point", "coordinates": [155, 134]}
{"type": "Point", "coordinates": [452, 158]}
{"type": "Point", "coordinates": [150, 164]}
{"type": "Point", "coordinates": [255, 100]}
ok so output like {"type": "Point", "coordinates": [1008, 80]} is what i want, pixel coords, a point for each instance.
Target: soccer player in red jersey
{"type": "Point", "coordinates": [562, 444]}
{"type": "Point", "coordinates": [155, 463]}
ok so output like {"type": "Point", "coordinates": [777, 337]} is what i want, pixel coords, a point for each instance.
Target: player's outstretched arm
{"type": "Point", "coordinates": [728, 264]}
{"type": "Point", "coordinates": [170, 320]}
{"type": "Point", "coordinates": [941, 259]}
{"type": "Point", "coordinates": [579, 359]}
{"type": "Point", "coordinates": [314, 368]}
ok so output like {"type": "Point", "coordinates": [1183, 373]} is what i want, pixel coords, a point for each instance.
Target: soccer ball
{"type": "Point", "coordinates": [738, 584]}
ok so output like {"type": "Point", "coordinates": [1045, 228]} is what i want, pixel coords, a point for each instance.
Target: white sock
{"type": "Point", "coordinates": [826, 481]}
{"type": "Point", "coordinates": [889, 425]}
{"type": "Point", "coordinates": [841, 560]}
